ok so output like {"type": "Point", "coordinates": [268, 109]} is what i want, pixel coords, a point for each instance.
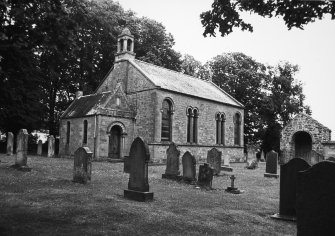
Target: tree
{"type": "Point", "coordinates": [225, 14]}
{"type": "Point", "coordinates": [193, 67]}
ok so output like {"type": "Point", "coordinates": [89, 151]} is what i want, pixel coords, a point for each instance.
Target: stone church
{"type": "Point", "coordinates": [306, 138]}
{"type": "Point", "coordinates": [160, 105]}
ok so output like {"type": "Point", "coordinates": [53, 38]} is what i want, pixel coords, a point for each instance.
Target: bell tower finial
{"type": "Point", "coordinates": [125, 46]}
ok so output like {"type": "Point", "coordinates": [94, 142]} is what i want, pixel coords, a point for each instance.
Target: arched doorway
{"type": "Point", "coordinates": [114, 148]}
{"type": "Point", "coordinates": [302, 145]}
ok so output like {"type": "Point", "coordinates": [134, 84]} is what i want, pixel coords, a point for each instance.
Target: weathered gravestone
{"type": "Point", "coordinates": [172, 162]}
{"type": "Point", "coordinates": [21, 151]}
{"type": "Point", "coordinates": [288, 188]}
{"type": "Point", "coordinates": [315, 200]}
{"type": "Point", "coordinates": [205, 176]}
{"type": "Point", "coordinates": [10, 139]}
{"type": "Point", "coordinates": [51, 146]}
{"type": "Point", "coordinates": [189, 167]}
{"type": "Point", "coordinates": [271, 164]}
{"type": "Point", "coordinates": [82, 168]}
{"type": "Point", "coordinates": [214, 158]}
{"type": "Point", "coordinates": [138, 186]}
{"type": "Point", "coordinates": [39, 147]}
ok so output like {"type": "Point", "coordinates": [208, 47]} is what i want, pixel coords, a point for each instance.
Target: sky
{"type": "Point", "coordinates": [312, 49]}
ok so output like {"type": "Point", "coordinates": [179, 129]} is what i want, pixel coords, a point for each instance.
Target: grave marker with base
{"type": "Point", "coordinates": [205, 177]}
{"type": "Point", "coordinates": [82, 167]}
{"type": "Point", "coordinates": [189, 168]}
{"type": "Point", "coordinates": [214, 158]}
{"type": "Point", "coordinates": [271, 164]}
{"type": "Point", "coordinates": [39, 147]}
{"type": "Point", "coordinates": [21, 151]}
{"type": "Point", "coordinates": [232, 188]}
{"type": "Point", "coordinates": [288, 188]}
{"type": "Point", "coordinates": [172, 163]}
{"type": "Point", "coordinates": [51, 146]}
{"type": "Point", "coordinates": [138, 186]}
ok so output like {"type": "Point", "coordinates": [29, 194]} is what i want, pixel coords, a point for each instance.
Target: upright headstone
{"type": "Point", "coordinates": [214, 158]}
{"type": "Point", "coordinates": [315, 200]}
{"type": "Point", "coordinates": [10, 143]}
{"type": "Point", "coordinates": [82, 167]}
{"type": "Point", "coordinates": [288, 188]}
{"type": "Point", "coordinates": [189, 167]}
{"type": "Point", "coordinates": [21, 151]}
{"type": "Point", "coordinates": [39, 147]}
{"type": "Point", "coordinates": [138, 185]}
{"type": "Point", "coordinates": [172, 162]}
{"type": "Point", "coordinates": [205, 176]}
{"type": "Point", "coordinates": [51, 146]}
{"type": "Point", "coordinates": [271, 164]}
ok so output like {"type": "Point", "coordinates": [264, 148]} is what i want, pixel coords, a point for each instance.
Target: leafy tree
{"type": "Point", "coordinates": [225, 14]}
{"type": "Point", "coordinates": [191, 66]}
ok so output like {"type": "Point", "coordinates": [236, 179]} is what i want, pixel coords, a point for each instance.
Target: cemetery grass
{"type": "Point", "coordinates": [45, 201]}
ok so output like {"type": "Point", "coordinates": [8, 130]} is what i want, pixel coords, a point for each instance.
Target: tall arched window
{"type": "Point", "coordinates": [85, 132]}
{"type": "Point", "coordinates": [166, 120]}
{"type": "Point", "coordinates": [223, 120]}
{"type": "Point", "coordinates": [68, 132]}
{"type": "Point", "coordinates": [220, 128]}
{"type": "Point", "coordinates": [189, 124]}
{"type": "Point", "coordinates": [237, 129]}
{"type": "Point", "coordinates": [195, 125]}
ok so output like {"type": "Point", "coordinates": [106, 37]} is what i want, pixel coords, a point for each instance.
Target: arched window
{"type": "Point", "coordinates": [237, 129]}
{"type": "Point", "coordinates": [195, 125]}
{"type": "Point", "coordinates": [189, 124]}
{"type": "Point", "coordinates": [192, 125]}
{"type": "Point", "coordinates": [129, 45]}
{"type": "Point", "coordinates": [166, 120]}
{"type": "Point", "coordinates": [121, 45]}
{"type": "Point", "coordinates": [68, 132]}
{"type": "Point", "coordinates": [220, 128]}
{"type": "Point", "coordinates": [223, 120]}
{"type": "Point", "coordinates": [85, 132]}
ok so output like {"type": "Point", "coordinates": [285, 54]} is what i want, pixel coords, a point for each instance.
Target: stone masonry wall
{"type": "Point", "coordinates": [303, 122]}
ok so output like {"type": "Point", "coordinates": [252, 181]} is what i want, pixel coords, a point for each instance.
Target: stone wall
{"type": "Point", "coordinates": [302, 122]}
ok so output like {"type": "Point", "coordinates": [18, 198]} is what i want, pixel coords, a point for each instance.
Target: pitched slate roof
{"type": "Point", "coordinates": [185, 84]}
{"type": "Point", "coordinates": [85, 105]}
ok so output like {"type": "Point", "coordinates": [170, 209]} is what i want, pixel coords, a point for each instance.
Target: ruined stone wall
{"type": "Point", "coordinates": [302, 122]}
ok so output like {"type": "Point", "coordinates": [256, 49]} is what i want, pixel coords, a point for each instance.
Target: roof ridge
{"type": "Point", "coordinates": [174, 71]}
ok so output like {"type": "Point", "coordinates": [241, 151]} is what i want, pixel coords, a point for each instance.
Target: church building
{"type": "Point", "coordinates": [137, 98]}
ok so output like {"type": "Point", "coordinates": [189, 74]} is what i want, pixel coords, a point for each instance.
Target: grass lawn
{"type": "Point", "coordinates": [45, 201]}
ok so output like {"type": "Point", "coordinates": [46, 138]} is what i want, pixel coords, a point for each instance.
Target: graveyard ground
{"type": "Point", "coordinates": [46, 202]}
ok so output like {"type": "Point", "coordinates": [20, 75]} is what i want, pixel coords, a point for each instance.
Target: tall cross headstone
{"type": "Point", "coordinates": [315, 200]}
{"type": "Point", "coordinates": [271, 164]}
{"type": "Point", "coordinates": [205, 177]}
{"type": "Point", "coordinates": [214, 158]}
{"type": "Point", "coordinates": [288, 188]}
{"type": "Point", "coordinates": [189, 167]}
{"type": "Point", "coordinates": [82, 167]}
{"type": "Point", "coordinates": [10, 143]}
{"type": "Point", "coordinates": [39, 147]}
{"type": "Point", "coordinates": [138, 185]}
{"type": "Point", "coordinates": [172, 162]}
{"type": "Point", "coordinates": [51, 146]}
{"type": "Point", "coordinates": [21, 151]}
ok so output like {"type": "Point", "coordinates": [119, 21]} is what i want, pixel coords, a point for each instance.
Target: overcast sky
{"type": "Point", "coordinates": [313, 48]}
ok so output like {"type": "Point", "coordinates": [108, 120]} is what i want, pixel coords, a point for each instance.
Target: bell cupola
{"type": "Point", "coordinates": [125, 46]}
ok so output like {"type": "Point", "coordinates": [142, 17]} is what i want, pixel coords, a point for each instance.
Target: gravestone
{"type": "Point", "coordinates": [288, 188]}
{"type": "Point", "coordinates": [315, 200]}
{"type": "Point", "coordinates": [271, 164]}
{"type": "Point", "coordinates": [214, 158]}
{"type": "Point", "coordinates": [233, 189]}
{"type": "Point", "coordinates": [10, 143]}
{"type": "Point", "coordinates": [138, 186]}
{"type": "Point", "coordinates": [82, 167]}
{"type": "Point", "coordinates": [51, 146]}
{"type": "Point", "coordinates": [205, 176]}
{"type": "Point", "coordinates": [21, 151]}
{"type": "Point", "coordinates": [172, 162]}
{"type": "Point", "coordinates": [189, 165]}
{"type": "Point", "coordinates": [39, 147]}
